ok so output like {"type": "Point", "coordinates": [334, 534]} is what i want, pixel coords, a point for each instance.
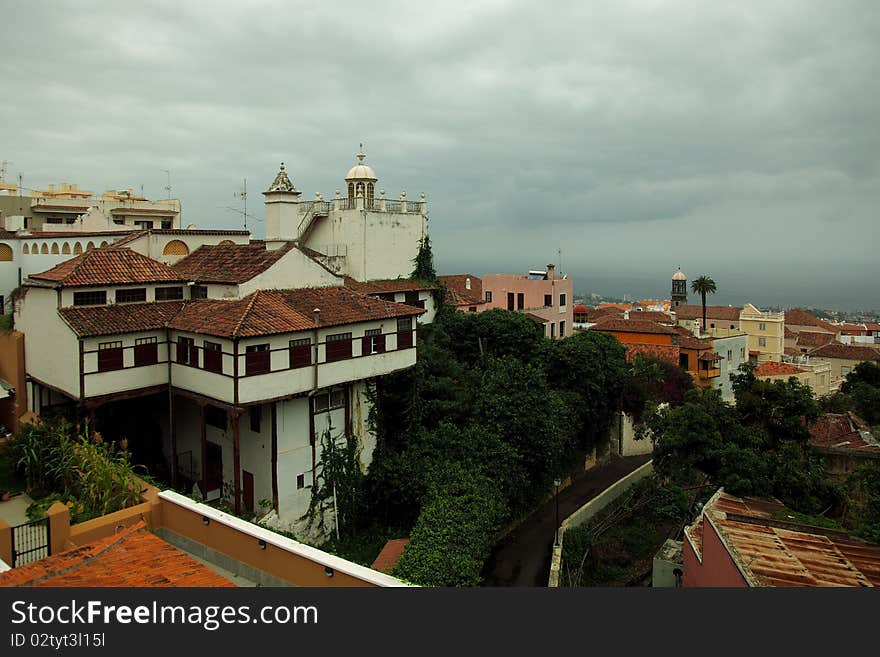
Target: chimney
{"type": "Point", "coordinates": [550, 273]}
{"type": "Point", "coordinates": [316, 314]}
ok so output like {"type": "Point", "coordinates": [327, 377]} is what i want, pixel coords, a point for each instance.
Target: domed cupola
{"type": "Point", "coordinates": [361, 181]}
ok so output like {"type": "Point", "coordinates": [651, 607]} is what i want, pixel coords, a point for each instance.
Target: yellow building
{"type": "Point", "coordinates": [766, 331]}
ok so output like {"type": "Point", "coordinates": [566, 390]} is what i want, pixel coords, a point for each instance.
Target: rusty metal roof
{"type": "Point", "coordinates": [772, 551]}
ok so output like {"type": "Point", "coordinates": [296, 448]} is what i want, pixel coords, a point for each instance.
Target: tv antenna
{"type": "Point", "coordinates": [168, 183]}
{"type": "Point", "coordinates": [243, 211]}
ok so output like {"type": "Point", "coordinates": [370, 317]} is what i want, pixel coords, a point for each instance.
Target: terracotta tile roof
{"type": "Point", "coordinates": [229, 263]}
{"type": "Point", "coordinates": [849, 329]}
{"type": "Point", "coordinates": [537, 318]}
{"type": "Point", "coordinates": [774, 552]}
{"type": "Point", "coordinates": [387, 286]}
{"type": "Point", "coordinates": [457, 293]}
{"type": "Point", "coordinates": [723, 313]}
{"type": "Point", "coordinates": [843, 431]}
{"type": "Point", "coordinates": [580, 309]}
{"type": "Point", "coordinates": [389, 555]}
{"type": "Point", "coordinates": [793, 351]}
{"type": "Point", "coordinates": [118, 318]}
{"type": "Point", "coordinates": [613, 325]}
{"type": "Point", "coordinates": [615, 306]}
{"type": "Point", "coordinates": [814, 339]}
{"type": "Point", "coordinates": [269, 312]}
{"type": "Point", "coordinates": [771, 368]}
{"type": "Point", "coordinates": [664, 352]}
{"type": "Point", "coordinates": [845, 351]}
{"type": "Point", "coordinates": [134, 557]}
{"type": "Point", "coordinates": [788, 333]}
{"type": "Point", "coordinates": [651, 316]}
{"type": "Point", "coordinates": [108, 266]}
{"type": "Point", "coordinates": [798, 317]}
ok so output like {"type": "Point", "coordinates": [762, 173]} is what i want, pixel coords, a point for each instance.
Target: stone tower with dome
{"type": "Point", "coordinates": [358, 233]}
{"type": "Point", "coordinates": [679, 289]}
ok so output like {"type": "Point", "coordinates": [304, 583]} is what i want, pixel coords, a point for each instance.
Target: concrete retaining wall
{"type": "Point", "coordinates": [591, 508]}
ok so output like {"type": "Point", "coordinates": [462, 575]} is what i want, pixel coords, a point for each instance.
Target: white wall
{"type": "Point", "coordinates": [102, 383]}
{"type": "Point", "coordinates": [293, 269]}
{"type": "Point", "coordinates": [379, 244]}
{"type": "Point", "coordinates": [51, 348]}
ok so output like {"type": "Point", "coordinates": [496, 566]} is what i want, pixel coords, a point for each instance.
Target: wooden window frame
{"type": "Point", "coordinates": [146, 351]}
{"type": "Point", "coordinates": [212, 357]}
{"type": "Point", "coordinates": [110, 356]}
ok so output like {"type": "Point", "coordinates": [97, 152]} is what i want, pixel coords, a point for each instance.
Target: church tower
{"type": "Point", "coordinates": [679, 289]}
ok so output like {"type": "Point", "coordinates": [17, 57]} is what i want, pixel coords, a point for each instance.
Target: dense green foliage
{"type": "Point", "coordinates": [94, 477]}
{"type": "Point", "coordinates": [758, 447]}
{"type": "Point", "coordinates": [861, 511]}
{"type": "Point", "coordinates": [653, 381]}
{"type": "Point", "coordinates": [424, 262]}
{"type": "Point", "coordinates": [455, 530]}
{"type": "Point", "coordinates": [475, 433]}
{"type": "Point", "coordinates": [5, 322]}
{"type": "Point", "coordinates": [860, 393]}
{"type": "Point", "coordinates": [617, 545]}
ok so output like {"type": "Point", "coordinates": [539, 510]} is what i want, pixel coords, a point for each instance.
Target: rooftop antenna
{"type": "Point", "coordinates": [168, 183]}
{"type": "Point", "coordinates": [559, 253]}
{"type": "Point", "coordinates": [243, 196]}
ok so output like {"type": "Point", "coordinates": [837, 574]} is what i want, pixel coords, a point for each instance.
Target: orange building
{"type": "Point", "coordinates": [674, 344]}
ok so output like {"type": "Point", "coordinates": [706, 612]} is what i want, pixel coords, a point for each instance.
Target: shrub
{"type": "Point", "coordinates": [454, 533]}
{"type": "Point", "coordinates": [95, 477]}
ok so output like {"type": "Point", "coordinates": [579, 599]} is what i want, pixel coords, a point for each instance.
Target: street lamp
{"type": "Point", "coordinates": [558, 483]}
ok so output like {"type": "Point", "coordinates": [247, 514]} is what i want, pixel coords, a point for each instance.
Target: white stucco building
{"type": "Point", "coordinates": [227, 357]}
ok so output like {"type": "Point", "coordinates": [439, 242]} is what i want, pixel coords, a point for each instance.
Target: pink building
{"type": "Point", "coordinates": [541, 294]}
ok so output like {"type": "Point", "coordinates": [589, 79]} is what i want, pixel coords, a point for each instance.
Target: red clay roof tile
{"type": "Point", "coordinates": [134, 557]}
{"type": "Point", "coordinates": [771, 368]}
{"type": "Point", "coordinates": [229, 263]}
{"type": "Point", "coordinates": [614, 325]}
{"type": "Point", "coordinates": [387, 285]}
{"type": "Point", "coordinates": [846, 351]}
{"type": "Point", "coordinates": [108, 265]}
{"type": "Point", "coordinates": [120, 317]}
{"type": "Point", "coordinates": [723, 313]}
{"type": "Point", "coordinates": [457, 293]}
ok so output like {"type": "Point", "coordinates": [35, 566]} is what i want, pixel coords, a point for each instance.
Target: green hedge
{"type": "Point", "coordinates": [454, 533]}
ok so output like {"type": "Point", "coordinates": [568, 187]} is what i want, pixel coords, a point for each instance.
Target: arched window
{"type": "Point", "coordinates": [66, 248]}
{"type": "Point", "coordinates": [351, 192]}
{"type": "Point", "coordinates": [370, 195]}
{"type": "Point", "coordinates": [77, 248]}
{"type": "Point", "coordinates": [5, 253]}
{"type": "Point", "coordinates": [104, 243]}
{"type": "Point", "coordinates": [359, 189]}
{"type": "Point", "coordinates": [55, 249]}
{"type": "Point", "coordinates": [176, 247]}
{"type": "Point", "coordinates": [26, 249]}
{"type": "Point", "coordinates": [226, 243]}
{"type": "Point", "coordinates": [44, 249]}
{"type": "Point", "coordinates": [90, 246]}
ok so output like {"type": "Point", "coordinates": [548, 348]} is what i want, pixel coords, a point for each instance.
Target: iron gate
{"type": "Point", "coordinates": [30, 542]}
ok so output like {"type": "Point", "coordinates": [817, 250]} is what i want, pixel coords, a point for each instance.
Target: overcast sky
{"type": "Point", "coordinates": [739, 140]}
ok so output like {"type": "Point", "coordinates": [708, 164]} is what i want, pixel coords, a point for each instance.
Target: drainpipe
{"type": "Point", "coordinates": [316, 314]}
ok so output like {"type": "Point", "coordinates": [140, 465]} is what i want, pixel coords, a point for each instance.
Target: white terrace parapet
{"type": "Point", "coordinates": [380, 204]}
{"type": "Point", "coordinates": [282, 542]}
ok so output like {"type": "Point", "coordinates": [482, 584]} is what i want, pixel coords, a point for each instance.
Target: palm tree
{"type": "Point", "coordinates": [703, 285]}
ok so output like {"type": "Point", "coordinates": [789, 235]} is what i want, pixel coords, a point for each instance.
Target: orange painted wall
{"type": "Point", "coordinates": [12, 370]}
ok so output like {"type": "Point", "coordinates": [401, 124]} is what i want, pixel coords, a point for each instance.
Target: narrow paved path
{"type": "Point", "coordinates": [523, 557]}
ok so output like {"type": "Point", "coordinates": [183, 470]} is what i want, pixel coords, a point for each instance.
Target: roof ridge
{"type": "Point", "coordinates": [246, 312]}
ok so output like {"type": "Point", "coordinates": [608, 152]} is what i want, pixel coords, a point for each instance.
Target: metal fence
{"type": "Point", "coordinates": [30, 542]}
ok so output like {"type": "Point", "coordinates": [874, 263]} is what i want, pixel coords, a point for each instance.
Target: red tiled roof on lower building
{"type": "Point", "coordinates": [229, 263]}
{"type": "Point", "coordinates": [771, 368]}
{"type": "Point", "coordinates": [812, 339]}
{"type": "Point", "coordinates": [614, 325]}
{"type": "Point", "coordinates": [457, 291]}
{"type": "Point", "coordinates": [387, 286]}
{"type": "Point", "coordinates": [651, 316]}
{"type": "Point", "coordinates": [270, 312]}
{"type": "Point", "coordinates": [108, 266]}
{"type": "Point", "coordinates": [846, 352]}
{"type": "Point", "coordinates": [798, 317]}
{"type": "Point", "coordinates": [134, 557]}
{"type": "Point", "coordinates": [843, 431]}
{"type": "Point", "coordinates": [119, 317]}
{"type": "Point", "coordinates": [389, 555]}
{"type": "Point", "coordinates": [723, 313]}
